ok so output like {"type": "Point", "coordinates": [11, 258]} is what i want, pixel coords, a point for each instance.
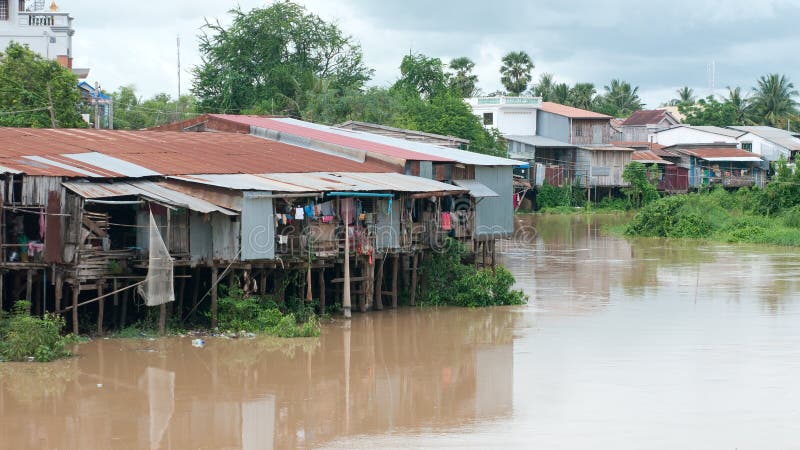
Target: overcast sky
{"type": "Point", "coordinates": [656, 47]}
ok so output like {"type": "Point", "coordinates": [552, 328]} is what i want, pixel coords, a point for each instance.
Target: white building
{"type": "Point", "coordinates": [508, 115]}
{"type": "Point", "coordinates": [40, 26]}
{"type": "Point", "coordinates": [771, 143]}
{"type": "Point", "coordinates": [687, 134]}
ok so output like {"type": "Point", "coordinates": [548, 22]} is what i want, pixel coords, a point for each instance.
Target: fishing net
{"type": "Point", "coordinates": [158, 286]}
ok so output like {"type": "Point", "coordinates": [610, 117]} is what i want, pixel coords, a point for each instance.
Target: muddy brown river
{"type": "Point", "coordinates": [625, 344]}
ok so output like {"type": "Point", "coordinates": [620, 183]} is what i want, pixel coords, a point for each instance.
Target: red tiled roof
{"type": "Point", "coordinates": [331, 138]}
{"type": "Point", "coordinates": [649, 157]}
{"type": "Point", "coordinates": [569, 111]}
{"type": "Point", "coordinates": [645, 117]}
{"type": "Point", "coordinates": [167, 153]}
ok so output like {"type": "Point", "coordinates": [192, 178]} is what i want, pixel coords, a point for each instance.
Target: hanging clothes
{"type": "Point", "coordinates": [299, 213]}
{"type": "Point", "coordinates": [42, 225]}
{"type": "Point", "coordinates": [446, 225]}
{"type": "Point", "coordinates": [309, 212]}
{"type": "Point", "coordinates": [346, 209]}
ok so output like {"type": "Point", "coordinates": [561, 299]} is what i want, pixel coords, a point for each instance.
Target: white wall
{"type": "Point", "coordinates": [40, 35]}
{"type": "Point", "coordinates": [511, 115]}
{"type": "Point", "coordinates": [683, 135]}
{"type": "Point", "coordinates": [768, 150]}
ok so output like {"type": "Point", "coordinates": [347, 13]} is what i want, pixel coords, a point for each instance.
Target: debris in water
{"type": "Point", "coordinates": [199, 343]}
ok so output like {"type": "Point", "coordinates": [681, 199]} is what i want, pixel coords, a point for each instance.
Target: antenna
{"type": "Point", "coordinates": [178, 100]}
{"type": "Point", "coordinates": [711, 68]}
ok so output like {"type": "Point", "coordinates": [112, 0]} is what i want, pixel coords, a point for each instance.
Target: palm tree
{"type": "Point", "coordinates": [621, 99]}
{"type": "Point", "coordinates": [773, 100]}
{"type": "Point", "coordinates": [516, 72]}
{"type": "Point", "coordinates": [561, 93]}
{"type": "Point", "coordinates": [740, 103]}
{"type": "Point", "coordinates": [685, 97]}
{"type": "Point", "coordinates": [463, 81]}
{"type": "Point", "coordinates": [544, 88]}
{"type": "Point", "coordinates": [582, 95]}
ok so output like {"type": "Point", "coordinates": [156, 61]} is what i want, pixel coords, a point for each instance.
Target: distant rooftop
{"type": "Point", "coordinates": [569, 111]}
{"type": "Point", "coordinates": [778, 136]}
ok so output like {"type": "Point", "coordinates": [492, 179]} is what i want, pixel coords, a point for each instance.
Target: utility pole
{"type": "Point", "coordinates": [50, 107]}
{"type": "Point", "coordinates": [178, 100]}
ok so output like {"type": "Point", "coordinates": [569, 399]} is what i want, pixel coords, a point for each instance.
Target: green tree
{"type": "Point", "coordinates": [133, 113]}
{"type": "Point", "coordinates": [740, 104]}
{"type": "Point", "coordinates": [516, 72]}
{"type": "Point", "coordinates": [560, 93]}
{"type": "Point", "coordinates": [463, 80]}
{"type": "Point", "coordinates": [642, 182]}
{"type": "Point", "coordinates": [620, 99]}
{"type": "Point", "coordinates": [422, 76]}
{"type": "Point", "coordinates": [268, 58]}
{"type": "Point", "coordinates": [544, 88]}
{"type": "Point", "coordinates": [773, 100]}
{"type": "Point", "coordinates": [710, 111]}
{"type": "Point", "coordinates": [582, 95]}
{"type": "Point", "coordinates": [24, 80]}
{"type": "Point", "coordinates": [685, 97]}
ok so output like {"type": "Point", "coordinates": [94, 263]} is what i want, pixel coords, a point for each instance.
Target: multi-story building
{"type": "Point", "coordinates": [43, 28]}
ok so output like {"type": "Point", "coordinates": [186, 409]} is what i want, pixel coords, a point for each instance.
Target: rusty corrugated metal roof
{"type": "Point", "coordinates": [114, 154]}
{"type": "Point", "coordinates": [721, 154]}
{"type": "Point", "coordinates": [569, 111]}
{"type": "Point", "coordinates": [648, 157]}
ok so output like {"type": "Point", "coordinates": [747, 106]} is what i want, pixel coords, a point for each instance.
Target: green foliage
{"type": "Point", "coordinates": [643, 187]}
{"type": "Point", "coordinates": [463, 82]}
{"type": "Point", "coordinates": [295, 318]}
{"type": "Point", "coordinates": [710, 111]}
{"type": "Point", "coordinates": [23, 336]}
{"type": "Point", "coordinates": [421, 76]}
{"type": "Point", "coordinates": [269, 57]}
{"type": "Point", "coordinates": [620, 99]}
{"type": "Point", "coordinates": [24, 79]}
{"type": "Point", "coordinates": [549, 196]}
{"type": "Point", "coordinates": [449, 282]}
{"type": "Point", "coordinates": [773, 100]}
{"type": "Point", "coordinates": [516, 72]}
{"type": "Point", "coordinates": [133, 113]}
{"type": "Point", "coordinates": [792, 217]}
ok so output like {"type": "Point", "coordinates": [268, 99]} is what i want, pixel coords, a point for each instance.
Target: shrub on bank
{"type": "Point", "coordinates": [450, 282]}
{"type": "Point", "coordinates": [295, 318]}
{"type": "Point", "coordinates": [23, 336]}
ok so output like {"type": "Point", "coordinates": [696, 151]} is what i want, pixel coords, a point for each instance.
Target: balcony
{"type": "Point", "coordinates": [503, 100]}
{"type": "Point", "coordinates": [44, 19]}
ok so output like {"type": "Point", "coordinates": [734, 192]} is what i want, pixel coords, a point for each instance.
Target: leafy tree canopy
{"type": "Point", "coordinates": [269, 57]}
{"type": "Point", "coordinates": [710, 111]}
{"type": "Point", "coordinates": [516, 72]}
{"type": "Point", "coordinates": [24, 79]}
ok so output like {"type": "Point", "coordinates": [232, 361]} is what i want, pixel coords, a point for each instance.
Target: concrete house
{"type": "Point", "coordinates": [641, 124]}
{"type": "Point", "coordinates": [768, 142]}
{"type": "Point", "coordinates": [507, 115]}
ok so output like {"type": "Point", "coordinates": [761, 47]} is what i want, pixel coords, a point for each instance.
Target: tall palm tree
{"type": "Point", "coordinates": [516, 72]}
{"type": "Point", "coordinates": [582, 95]}
{"type": "Point", "coordinates": [463, 81]}
{"type": "Point", "coordinates": [740, 103]}
{"type": "Point", "coordinates": [685, 97]}
{"type": "Point", "coordinates": [621, 99]}
{"type": "Point", "coordinates": [544, 88]}
{"type": "Point", "coordinates": [773, 100]}
{"type": "Point", "coordinates": [561, 93]}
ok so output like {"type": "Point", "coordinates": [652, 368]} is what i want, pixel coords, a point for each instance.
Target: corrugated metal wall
{"type": "Point", "coordinates": [495, 215]}
{"type": "Point", "coordinates": [552, 126]}
{"type": "Point", "coordinates": [388, 227]}
{"type": "Point", "coordinates": [258, 226]}
{"type": "Point", "coordinates": [200, 246]}
{"type": "Point", "coordinates": [225, 232]}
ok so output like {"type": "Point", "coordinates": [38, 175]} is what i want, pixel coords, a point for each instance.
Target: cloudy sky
{"type": "Point", "coordinates": [658, 46]}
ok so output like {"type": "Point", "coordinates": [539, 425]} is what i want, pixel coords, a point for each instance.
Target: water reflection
{"type": "Point", "coordinates": [382, 373]}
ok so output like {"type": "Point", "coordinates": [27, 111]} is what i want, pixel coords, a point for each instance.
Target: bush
{"type": "Point", "coordinates": [450, 282]}
{"type": "Point", "coordinates": [792, 217]}
{"type": "Point", "coordinates": [23, 336]}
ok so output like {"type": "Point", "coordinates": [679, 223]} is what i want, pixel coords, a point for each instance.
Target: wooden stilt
{"type": "Point", "coordinates": [162, 319]}
{"type": "Point", "coordinates": [195, 291]}
{"type": "Point", "coordinates": [369, 289]}
{"type": "Point", "coordinates": [100, 307]}
{"type": "Point", "coordinates": [263, 287]}
{"type": "Point", "coordinates": [181, 295]}
{"type": "Point", "coordinates": [413, 294]}
{"type": "Point", "coordinates": [483, 252]}
{"type": "Point", "coordinates": [395, 270]}
{"type": "Point", "coordinates": [124, 314]}
{"type": "Point", "coordinates": [494, 245]}
{"type": "Point", "coordinates": [76, 293]}
{"type": "Point", "coordinates": [29, 290]}
{"type": "Point", "coordinates": [379, 284]}
{"type": "Point", "coordinates": [114, 316]}
{"type": "Point", "coordinates": [59, 291]}
{"type": "Point", "coordinates": [214, 276]}
{"type": "Point", "coordinates": [475, 247]}
{"type": "Point", "coordinates": [346, 305]}
{"type": "Point", "coordinates": [322, 291]}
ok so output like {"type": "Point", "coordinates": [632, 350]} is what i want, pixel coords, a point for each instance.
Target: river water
{"type": "Point", "coordinates": [624, 344]}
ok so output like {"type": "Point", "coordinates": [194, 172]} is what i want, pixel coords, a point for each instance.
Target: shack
{"type": "Point", "coordinates": [717, 164]}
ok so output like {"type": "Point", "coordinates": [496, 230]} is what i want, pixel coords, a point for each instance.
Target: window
{"type": "Point", "coordinates": [488, 118]}
{"type": "Point", "coordinates": [578, 131]}
{"type": "Point", "coordinates": [747, 146]}
{"type": "Point", "coordinates": [3, 9]}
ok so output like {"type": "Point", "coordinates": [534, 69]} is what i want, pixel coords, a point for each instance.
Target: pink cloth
{"type": "Point", "coordinates": [446, 221]}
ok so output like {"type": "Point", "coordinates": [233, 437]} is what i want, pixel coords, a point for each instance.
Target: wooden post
{"type": "Point", "coordinates": [214, 294]}
{"type": "Point", "coordinates": [29, 290]}
{"type": "Point", "coordinates": [115, 287]}
{"type": "Point", "coordinates": [195, 291]}
{"type": "Point", "coordinates": [124, 313]}
{"type": "Point", "coordinates": [346, 305]}
{"type": "Point", "coordinates": [379, 284]}
{"type": "Point", "coordinates": [413, 295]}
{"type": "Point", "coordinates": [494, 266]}
{"type": "Point", "coordinates": [322, 291]}
{"type": "Point", "coordinates": [181, 294]}
{"type": "Point", "coordinates": [395, 270]}
{"type": "Point", "coordinates": [483, 260]}
{"type": "Point", "coordinates": [76, 293]}
{"type": "Point", "coordinates": [59, 290]}
{"type": "Point", "coordinates": [475, 247]}
{"type": "Point", "coordinates": [162, 319]}
{"type": "Point", "coordinates": [100, 307]}
{"type": "Point", "coordinates": [369, 288]}
{"type": "Point", "coordinates": [263, 287]}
